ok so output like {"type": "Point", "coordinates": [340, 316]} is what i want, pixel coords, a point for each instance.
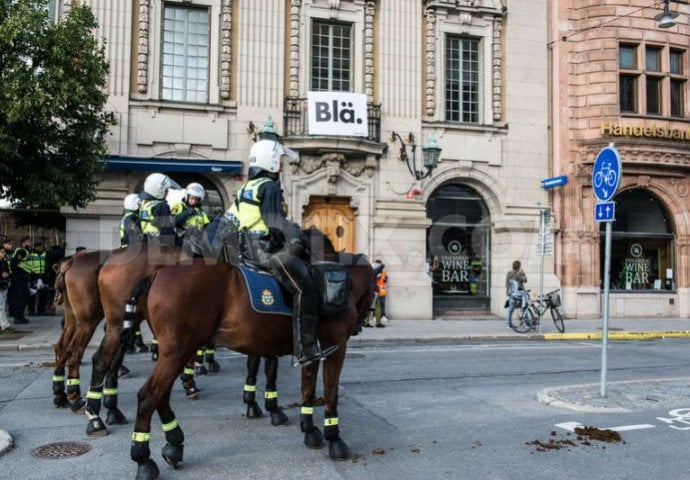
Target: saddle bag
{"type": "Point", "coordinates": [334, 284]}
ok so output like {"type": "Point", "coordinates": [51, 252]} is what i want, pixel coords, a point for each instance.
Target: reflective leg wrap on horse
{"type": "Point", "coordinates": [173, 451]}
{"type": "Point", "coordinates": [278, 417]}
{"type": "Point", "coordinates": [95, 427]}
{"type": "Point", "coordinates": [199, 368]}
{"type": "Point", "coordinates": [189, 384]}
{"type": "Point", "coordinates": [139, 342]}
{"type": "Point", "coordinates": [249, 396]}
{"type": "Point", "coordinates": [141, 453]}
{"type": "Point", "coordinates": [74, 394]}
{"type": "Point", "coordinates": [312, 435]}
{"type": "Point", "coordinates": [213, 366]}
{"type": "Point", "coordinates": [337, 449]}
{"type": "Point", "coordinates": [115, 416]}
{"type": "Point", "coordinates": [59, 395]}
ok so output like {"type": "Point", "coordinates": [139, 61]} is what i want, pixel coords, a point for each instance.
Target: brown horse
{"type": "Point", "coordinates": [76, 287]}
{"type": "Point", "coordinates": [117, 277]}
{"type": "Point", "coordinates": [182, 323]}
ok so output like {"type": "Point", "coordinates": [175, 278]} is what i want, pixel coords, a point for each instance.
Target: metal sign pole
{"type": "Point", "coordinates": [605, 316]}
{"type": "Point", "coordinates": [543, 252]}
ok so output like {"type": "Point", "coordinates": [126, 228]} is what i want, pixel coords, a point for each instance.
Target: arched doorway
{"type": "Point", "coordinates": [458, 248]}
{"type": "Point", "coordinates": [642, 245]}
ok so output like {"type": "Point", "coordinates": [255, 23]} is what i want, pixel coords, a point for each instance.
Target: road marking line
{"type": "Point", "coordinates": [571, 426]}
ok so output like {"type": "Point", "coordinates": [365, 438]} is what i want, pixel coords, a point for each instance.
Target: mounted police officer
{"type": "Point", "coordinates": [269, 241]}
{"type": "Point", "coordinates": [154, 212]}
{"type": "Point", "coordinates": [190, 222]}
{"type": "Point", "coordinates": [130, 225]}
{"type": "Point", "coordinates": [190, 218]}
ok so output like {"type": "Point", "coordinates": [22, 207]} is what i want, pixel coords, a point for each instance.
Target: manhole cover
{"type": "Point", "coordinates": [59, 450]}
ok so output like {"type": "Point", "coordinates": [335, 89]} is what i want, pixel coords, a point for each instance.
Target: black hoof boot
{"type": "Point", "coordinates": [313, 438]}
{"type": "Point", "coordinates": [148, 470]}
{"type": "Point", "coordinates": [115, 417]}
{"type": "Point", "coordinates": [213, 366]}
{"type": "Point", "coordinates": [96, 428]}
{"type": "Point", "coordinates": [254, 410]}
{"type": "Point", "coordinates": [123, 372]}
{"type": "Point", "coordinates": [143, 348]}
{"type": "Point", "coordinates": [192, 393]}
{"type": "Point", "coordinates": [278, 417]}
{"type": "Point", "coordinates": [338, 450]}
{"type": "Point", "coordinates": [200, 370]}
{"type": "Point", "coordinates": [77, 405]}
{"type": "Point", "coordinates": [60, 400]}
{"type": "Point", "coordinates": [154, 355]}
{"type": "Point", "coordinates": [172, 454]}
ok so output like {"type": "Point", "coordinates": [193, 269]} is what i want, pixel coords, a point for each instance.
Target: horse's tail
{"type": "Point", "coordinates": [61, 268]}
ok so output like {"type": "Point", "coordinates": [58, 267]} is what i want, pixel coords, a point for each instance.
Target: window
{"type": "Point", "coordinates": [331, 48]}
{"type": "Point", "coordinates": [185, 60]}
{"type": "Point", "coordinates": [676, 68]}
{"type": "Point", "coordinates": [642, 255]}
{"type": "Point", "coordinates": [462, 80]}
{"type": "Point", "coordinates": [655, 88]}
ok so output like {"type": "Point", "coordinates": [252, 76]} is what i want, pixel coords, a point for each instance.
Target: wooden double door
{"type": "Point", "coordinates": [335, 218]}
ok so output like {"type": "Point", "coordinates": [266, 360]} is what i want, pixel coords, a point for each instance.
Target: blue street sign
{"type": "Point", "coordinates": [605, 212]}
{"type": "Point", "coordinates": [554, 182]}
{"type": "Point", "coordinates": [606, 173]}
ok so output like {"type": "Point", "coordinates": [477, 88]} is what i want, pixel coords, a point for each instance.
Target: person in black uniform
{"type": "Point", "coordinates": [269, 241]}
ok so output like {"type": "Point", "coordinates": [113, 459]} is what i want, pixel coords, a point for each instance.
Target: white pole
{"type": "Point", "coordinates": [543, 252]}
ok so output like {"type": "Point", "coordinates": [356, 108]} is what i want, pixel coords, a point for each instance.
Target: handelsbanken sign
{"type": "Point", "coordinates": [337, 113]}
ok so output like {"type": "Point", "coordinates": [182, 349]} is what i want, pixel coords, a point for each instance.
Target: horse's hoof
{"type": "Point", "coordinates": [313, 438]}
{"type": "Point", "coordinates": [338, 450]}
{"type": "Point", "coordinates": [254, 410]}
{"type": "Point", "coordinates": [115, 417]}
{"type": "Point", "coordinates": [213, 367]}
{"type": "Point", "coordinates": [192, 393]}
{"type": "Point", "coordinates": [278, 417]}
{"type": "Point", "coordinates": [60, 400]}
{"type": "Point", "coordinates": [148, 470]}
{"type": "Point", "coordinates": [77, 405]}
{"type": "Point", "coordinates": [96, 428]}
{"type": "Point", "coordinates": [173, 454]}
{"type": "Point", "coordinates": [143, 348]}
{"type": "Point", "coordinates": [123, 372]}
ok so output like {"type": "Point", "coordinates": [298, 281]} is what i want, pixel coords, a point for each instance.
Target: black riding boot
{"type": "Point", "coordinates": [306, 345]}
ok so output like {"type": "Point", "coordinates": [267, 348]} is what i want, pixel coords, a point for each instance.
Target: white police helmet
{"type": "Point", "coordinates": [196, 190]}
{"type": "Point", "coordinates": [265, 155]}
{"type": "Point", "coordinates": [157, 183]}
{"type": "Point", "coordinates": [132, 202]}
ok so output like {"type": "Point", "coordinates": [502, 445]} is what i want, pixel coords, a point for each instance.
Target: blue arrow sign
{"type": "Point", "coordinates": [554, 182]}
{"type": "Point", "coordinates": [606, 173]}
{"type": "Point", "coordinates": [605, 212]}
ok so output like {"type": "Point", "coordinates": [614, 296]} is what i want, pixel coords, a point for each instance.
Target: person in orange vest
{"type": "Point", "coordinates": [381, 290]}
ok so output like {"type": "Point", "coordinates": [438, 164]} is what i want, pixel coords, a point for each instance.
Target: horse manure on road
{"type": "Point", "coordinates": [584, 437]}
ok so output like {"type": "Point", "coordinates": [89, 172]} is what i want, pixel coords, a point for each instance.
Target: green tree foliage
{"type": "Point", "coordinates": [53, 123]}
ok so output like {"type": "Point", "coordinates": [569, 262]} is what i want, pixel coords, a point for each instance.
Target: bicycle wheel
{"type": "Point", "coordinates": [557, 319]}
{"type": "Point", "coordinates": [521, 319]}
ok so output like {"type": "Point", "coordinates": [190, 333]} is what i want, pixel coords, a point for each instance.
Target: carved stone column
{"type": "Point", "coordinates": [295, 7]}
{"type": "Point", "coordinates": [143, 57]}
{"type": "Point", "coordinates": [225, 48]}
{"type": "Point", "coordinates": [430, 59]}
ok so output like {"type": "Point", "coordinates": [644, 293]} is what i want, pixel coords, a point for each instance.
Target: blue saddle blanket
{"type": "Point", "coordinates": [265, 293]}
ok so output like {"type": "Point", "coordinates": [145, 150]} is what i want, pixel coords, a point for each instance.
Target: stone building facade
{"type": "Point", "coordinates": [192, 82]}
{"type": "Point", "coordinates": [619, 78]}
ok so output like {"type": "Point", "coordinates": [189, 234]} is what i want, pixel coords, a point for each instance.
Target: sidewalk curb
{"type": "Point", "coordinates": [618, 335]}
{"type": "Point", "coordinates": [6, 442]}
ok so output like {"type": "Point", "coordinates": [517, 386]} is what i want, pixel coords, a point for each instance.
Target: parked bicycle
{"type": "Point", "coordinates": [524, 314]}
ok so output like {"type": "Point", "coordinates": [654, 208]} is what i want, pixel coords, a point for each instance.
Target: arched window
{"type": "Point", "coordinates": [642, 254]}
{"type": "Point", "coordinates": [458, 247]}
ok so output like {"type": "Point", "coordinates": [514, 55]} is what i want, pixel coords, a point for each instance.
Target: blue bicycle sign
{"type": "Point", "coordinates": [606, 173]}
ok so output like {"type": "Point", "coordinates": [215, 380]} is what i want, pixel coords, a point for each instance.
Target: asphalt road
{"type": "Point", "coordinates": [407, 412]}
